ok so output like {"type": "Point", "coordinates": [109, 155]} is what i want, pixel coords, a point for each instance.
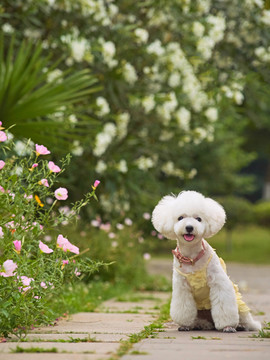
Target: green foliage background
{"type": "Point", "coordinates": [176, 100]}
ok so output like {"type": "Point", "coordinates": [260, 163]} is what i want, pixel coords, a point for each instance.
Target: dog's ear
{"type": "Point", "coordinates": [163, 217]}
{"type": "Point", "coordinates": [216, 217]}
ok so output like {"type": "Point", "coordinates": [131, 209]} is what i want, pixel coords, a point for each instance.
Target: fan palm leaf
{"type": "Point", "coordinates": [28, 100]}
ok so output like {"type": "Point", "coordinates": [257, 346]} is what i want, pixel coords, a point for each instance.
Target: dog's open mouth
{"type": "Point", "coordinates": [189, 237]}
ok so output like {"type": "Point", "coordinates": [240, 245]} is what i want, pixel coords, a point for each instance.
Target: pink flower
{"type": "Point", "coordinates": [44, 182]}
{"type": "Point", "coordinates": [28, 197]}
{"type": "Point", "coordinates": [146, 216]}
{"type": "Point", "coordinates": [18, 246]}
{"type": "Point", "coordinates": [146, 256]}
{"type": "Point", "coordinates": [65, 245]}
{"type": "Point", "coordinates": [65, 262]}
{"type": "Point", "coordinates": [9, 267]}
{"type": "Point", "coordinates": [128, 222]}
{"type": "Point", "coordinates": [26, 280]}
{"type": "Point", "coordinates": [76, 272]}
{"type": "Point", "coordinates": [106, 227]}
{"type": "Point", "coordinates": [3, 136]}
{"type": "Point", "coordinates": [53, 168]}
{"type": "Point", "coordinates": [96, 183]}
{"type": "Point", "coordinates": [44, 248]}
{"type": "Point", "coordinates": [43, 285]}
{"type": "Point", "coordinates": [34, 165]}
{"type": "Point", "coordinates": [1, 232]}
{"type": "Point", "coordinates": [42, 150]}
{"type": "Point", "coordinates": [61, 193]}
{"type": "Point", "coordinates": [2, 189]}
{"type": "Point", "coordinates": [2, 164]}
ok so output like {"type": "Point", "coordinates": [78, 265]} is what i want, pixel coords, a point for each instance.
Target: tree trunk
{"type": "Point", "coordinates": [266, 186]}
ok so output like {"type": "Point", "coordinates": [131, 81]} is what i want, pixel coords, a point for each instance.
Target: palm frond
{"type": "Point", "coordinates": [26, 95]}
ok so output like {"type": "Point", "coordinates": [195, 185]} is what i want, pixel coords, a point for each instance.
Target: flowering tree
{"type": "Point", "coordinates": [174, 77]}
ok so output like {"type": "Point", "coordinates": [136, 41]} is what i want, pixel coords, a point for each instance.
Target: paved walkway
{"type": "Point", "coordinates": [96, 336]}
{"type": "Point", "coordinates": [90, 336]}
{"type": "Point", "coordinates": [254, 282]}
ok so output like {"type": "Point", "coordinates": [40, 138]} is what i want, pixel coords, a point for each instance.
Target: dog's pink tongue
{"type": "Point", "coordinates": [189, 237]}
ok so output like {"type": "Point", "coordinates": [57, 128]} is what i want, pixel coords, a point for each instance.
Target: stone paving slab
{"type": "Point", "coordinates": [93, 347]}
{"type": "Point", "coordinates": [105, 331]}
{"type": "Point", "coordinates": [173, 345]}
{"type": "Point", "coordinates": [54, 356]}
{"type": "Point", "coordinates": [101, 323]}
{"type": "Point", "coordinates": [95, 337]}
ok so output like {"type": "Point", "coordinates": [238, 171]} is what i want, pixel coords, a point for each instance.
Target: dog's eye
{"type": "Point", "coordinates": [198, 219]}
{"type": "Point", "coordinates": [180, 218]}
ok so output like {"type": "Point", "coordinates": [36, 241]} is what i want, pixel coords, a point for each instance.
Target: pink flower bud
{"type": "Point", "coordinates": [96, 183]}
{"type": "Point", "coordinates": [17, 245]}
{"type": "Point", "coordinates": [2, 164]}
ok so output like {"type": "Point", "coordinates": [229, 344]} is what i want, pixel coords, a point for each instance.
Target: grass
{"type": "Point", "coordinates": [249, 245]}
{"type": "Point", "coordinates": [85, 297]}
{"type": "Point", "coordinates": [70, 340]}
{"type": "Point", "coordinates": [19, 349]}
{"type": "Point", "coordinates": [263, 333]}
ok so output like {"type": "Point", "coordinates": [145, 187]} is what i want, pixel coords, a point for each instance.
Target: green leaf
{"type": "Point", "coordinates": [27, 99]}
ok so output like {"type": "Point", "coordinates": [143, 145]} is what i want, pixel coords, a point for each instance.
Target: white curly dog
{"type": "Point", "coordinates": [203, 295]}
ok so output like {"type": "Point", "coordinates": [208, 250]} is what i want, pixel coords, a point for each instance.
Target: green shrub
{"type": "Point", "coordinates": [238, 211]}
{"type": "Point", "coordinates": [33, 269]}
{"type": "Point", "coordinates": [262, 213]}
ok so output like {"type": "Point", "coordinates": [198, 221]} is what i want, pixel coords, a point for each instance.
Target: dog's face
{"type": "Point", "coordinates": [189, 228]}
{"type": "Point", "coordinates": [188, 217]}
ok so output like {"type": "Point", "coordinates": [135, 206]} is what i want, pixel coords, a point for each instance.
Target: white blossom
{"type": "Point", "coordinates": [103, 106]}
{"type": "Point", "coordinates": [144, 163]}
{"type": "Point", "coordinates": [198, 29]}
{"type": "Point", "coordinates": [122, 121]}
{"type": "Point", "coordinates": [54, 75]}
{"type": "Point", "coordinates": [141, 35]}
{"type": "Point", "coordinates": [77, 149]}
{"type": "Point", "coordinates": [169, 169]}
{"type": "Point", "coordinates": [205, 46]}
{"type": "Point", "coordinates": [78, 49]}
{"type": "Point", "coordinates": [104, 139]}
{"type": "Point", "coordinates": [174, 79]}
{"type": "Point", "coordinates": [156, 48]}
{"type": "Point", "coordinates": [7, 28]}
{"type": "Point", "coordinates": [101, 167]}
{"type": "Point", "coordinates": [108, 51]}
{"type": "Point", "coordinates": [183, 117]}
{"type": "Point", "coordinates": [129, 73]}
{"type": "Point", "coordinates": [122, 166]}
{"type": "Point", "coordinates": [148, 103]}
{"type": "Point", "coordinates": [211, 113]}
{"type": "Point", "coordinates": [265, 19]}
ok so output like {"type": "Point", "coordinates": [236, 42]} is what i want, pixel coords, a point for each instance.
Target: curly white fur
{"type": "Point", "coordinates": [189, 218]}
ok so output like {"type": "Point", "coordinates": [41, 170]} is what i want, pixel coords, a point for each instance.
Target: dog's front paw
{"type": "Point", "coordinates": [183, 328]}
{"type": "Point", "coordinates": [229, 329]}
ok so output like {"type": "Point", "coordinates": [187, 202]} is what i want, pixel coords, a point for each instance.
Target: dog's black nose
{"type": "Point", "coordinates": [189, 229]}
